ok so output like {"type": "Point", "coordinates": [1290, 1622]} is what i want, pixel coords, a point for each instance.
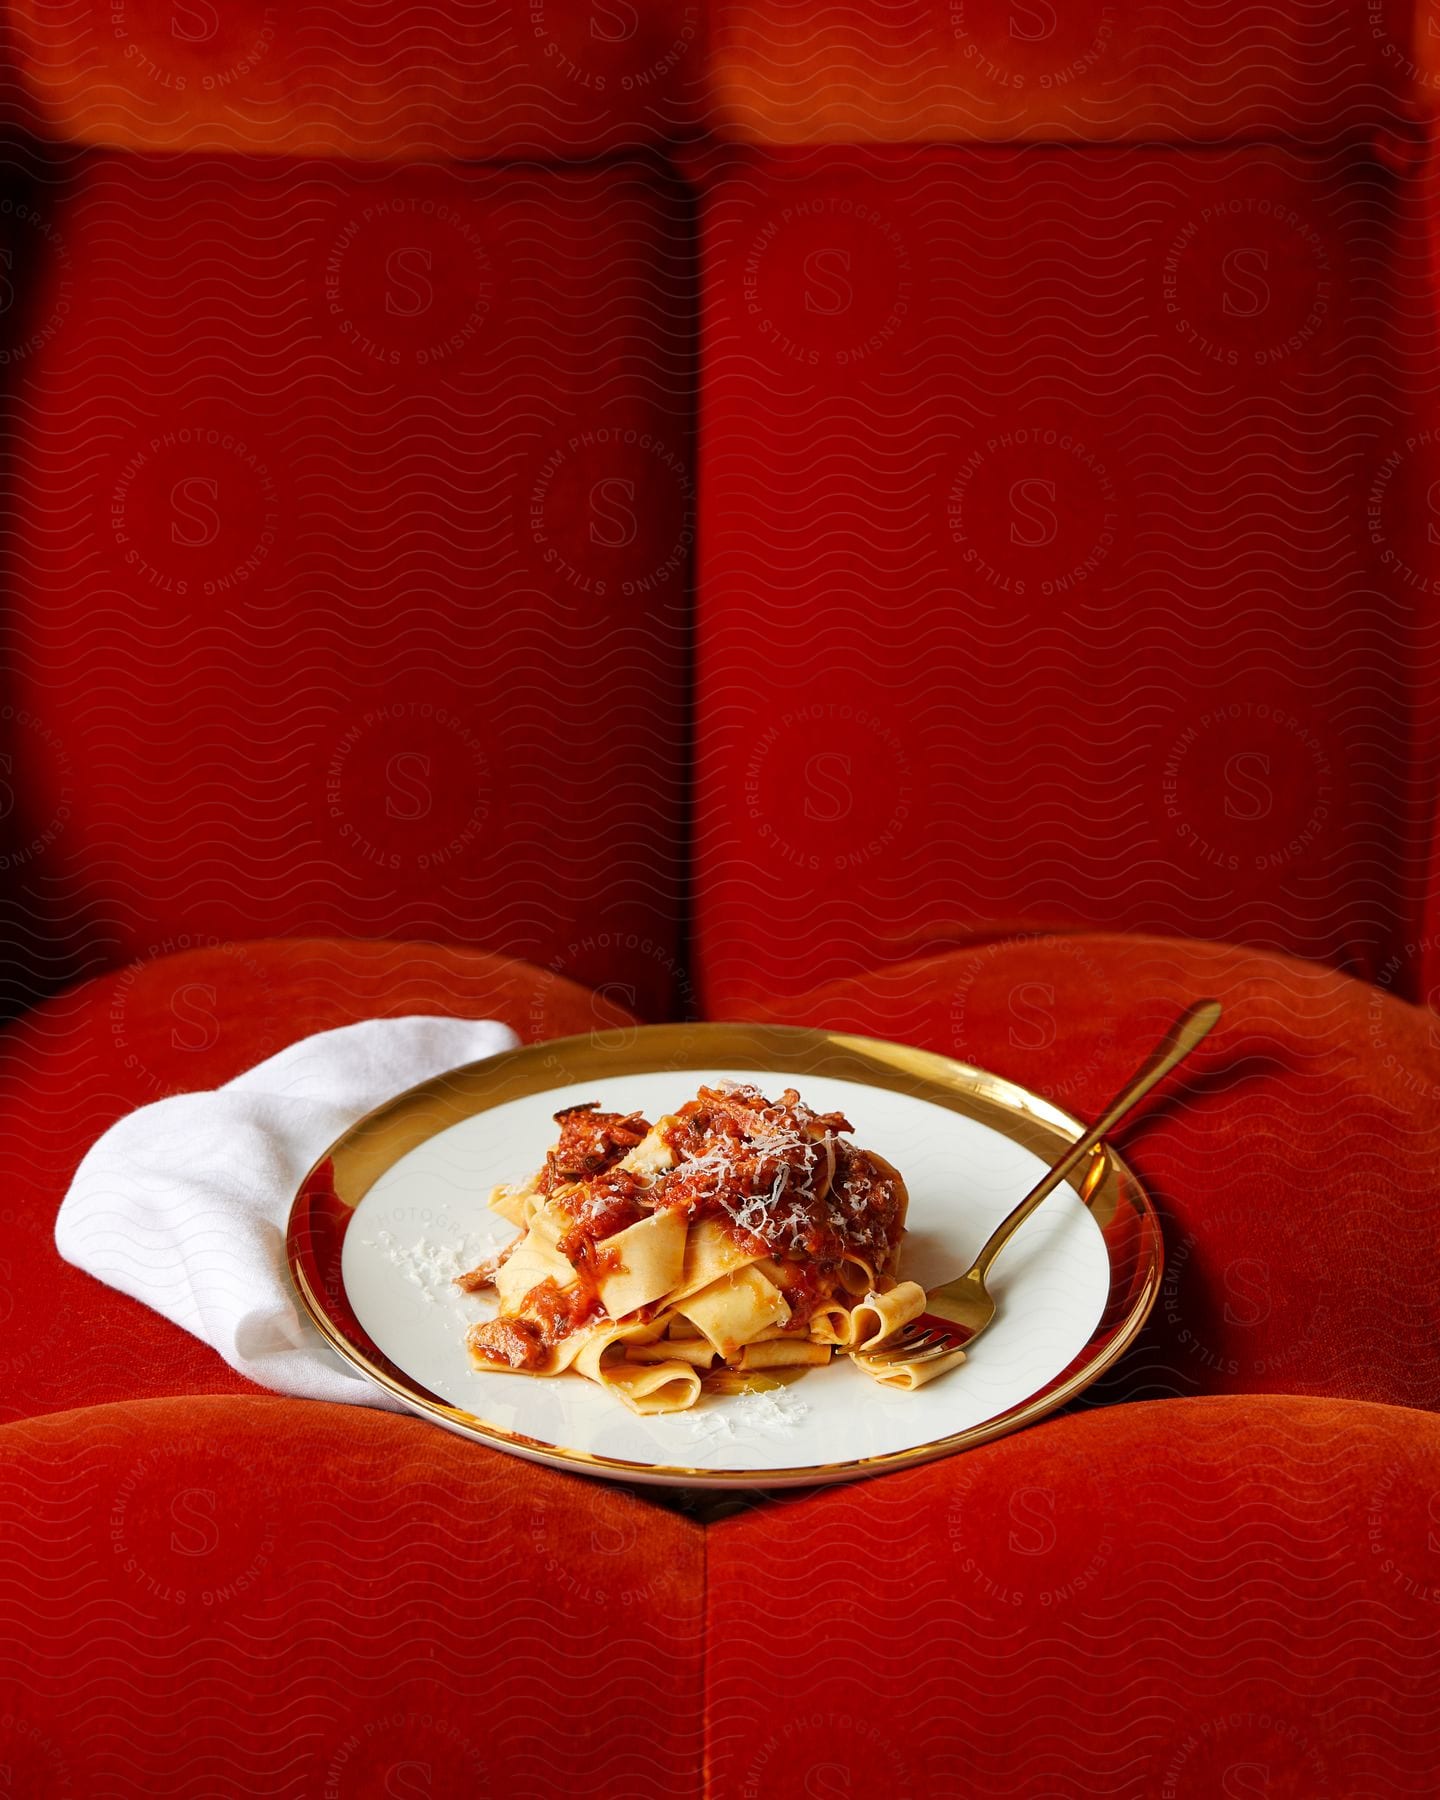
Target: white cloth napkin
{"type": "Point", "coordinates": [183, 1204]}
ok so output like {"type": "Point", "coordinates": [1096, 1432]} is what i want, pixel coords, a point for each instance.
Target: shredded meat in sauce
{"type": "Point", "coordinates": [590, 1142]}
{"type": "Point", "coordinates": [552, 1312]}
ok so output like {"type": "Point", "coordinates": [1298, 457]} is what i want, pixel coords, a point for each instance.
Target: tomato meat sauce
{"type": "Point", "coordinates": [776, 1175]}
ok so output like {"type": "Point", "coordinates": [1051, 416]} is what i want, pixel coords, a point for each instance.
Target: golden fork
{"type": "Point", "coordinates": [958, 1312]}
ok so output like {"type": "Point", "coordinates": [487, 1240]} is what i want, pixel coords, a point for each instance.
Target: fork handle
{"type": "Point", "coordinates": [1173, 1048]}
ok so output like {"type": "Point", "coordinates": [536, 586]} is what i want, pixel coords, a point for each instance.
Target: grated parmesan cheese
{"type": "Point", "coordinates": [430, 1267]}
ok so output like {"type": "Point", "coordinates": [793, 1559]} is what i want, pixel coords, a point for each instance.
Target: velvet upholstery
{"type": "Point", "coordinates": [886, 71]}
{"type": "Point", "coordinates": [294, 1600]}
{"type": "Point", "coordinates": [317, 524]}
{"type": "Point", "coordinates": [1199, 1600]}
{"type": "Point", "coordinates": [191, 1018]}
{"type": "Point", "coordinates": [1097, 590]}
{"type": "Point", "coordinates": [451, 78]}
{"type": "Point", "coordinates": [456, 79]}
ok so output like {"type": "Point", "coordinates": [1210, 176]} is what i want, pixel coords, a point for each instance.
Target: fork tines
{"type": "Point", "coordinates": [920, 1343]}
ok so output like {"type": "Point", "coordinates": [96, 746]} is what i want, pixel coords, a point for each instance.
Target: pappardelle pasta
{"type": "Point", "coordinates": [737, 1234]}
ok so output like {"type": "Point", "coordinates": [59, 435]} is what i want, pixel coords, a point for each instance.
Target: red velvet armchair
{"type": "Point", "coordinates": [919, 518]}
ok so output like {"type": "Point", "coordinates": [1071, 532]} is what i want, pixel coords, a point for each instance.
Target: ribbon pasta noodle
{"type": "Point", "coordinates": [735, 1234]}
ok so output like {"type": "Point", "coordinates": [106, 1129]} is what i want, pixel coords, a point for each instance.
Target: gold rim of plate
{"type": "Point", "coordinates": [348, 1170]}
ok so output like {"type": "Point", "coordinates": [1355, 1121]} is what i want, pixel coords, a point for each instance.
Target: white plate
{"type": "Point", "coordinates": [423, 1218]}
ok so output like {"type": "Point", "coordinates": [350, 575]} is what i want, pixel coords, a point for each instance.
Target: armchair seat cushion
{"type": "Point", "coordinates": [181, 1022]}
{"type": "Point", "coordinates": [1181, 1601]}
{"type": "Point", "coordinates": [261, 1596]}
{"type": "Point", "coordinates": [1294, 1167]}
{"type": "Point", "coordinates": [356, 1598]}
{"type": "Point", "coordinates": [1189, 1599]}
{"type": "Point", "coordinates": [1294, 1163]}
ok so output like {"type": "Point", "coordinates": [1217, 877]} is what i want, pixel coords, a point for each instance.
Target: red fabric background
{"type": "Point", "coordinates": [458, 79]}
{"type": "Point", "coordinates": [349, 555]}
{"type": "Point", "coordinates": [954, 70]}
{"type": "Point", "coordinates": [183, 1022]}
{"type": "Point", "coordinates": [1081, 496]}
{"type": "Point", "coordinates": [450, 78]}
{"type": "Point", "coordinates": [1427, 518]}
